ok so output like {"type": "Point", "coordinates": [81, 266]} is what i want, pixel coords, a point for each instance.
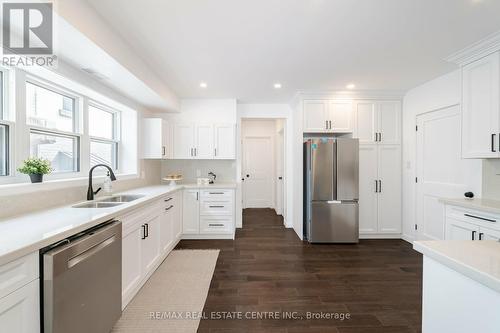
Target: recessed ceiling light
{"type": "Point", "coordinates": [203, 85]}
{"type": "Point", "coordinates": [277, 86]}
{"type": "Point", "coordinates": [351, 86]}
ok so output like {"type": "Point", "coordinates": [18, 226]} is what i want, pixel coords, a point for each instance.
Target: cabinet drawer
{"type": "Point", "coordinates": [216, 224]}
{"type": "Point", "coordinates": [18, 273]}
{"type": "Point", "coordinates": [474, 216]}
{"type": "Point", "coordinates": [216, 195]}
{"type": "Point", "coordinates": [168, 202]}
{"type": "Point", "coordinates": [216, 207]}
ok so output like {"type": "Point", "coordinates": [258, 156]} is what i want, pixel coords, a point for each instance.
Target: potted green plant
{"type": "Point", "coordinates": [36, 167]}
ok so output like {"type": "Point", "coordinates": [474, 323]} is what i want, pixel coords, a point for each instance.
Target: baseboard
{"type": "Point", "coordinates": [407, 238]}
{"type": "Point", "coordinates": [380, 236]}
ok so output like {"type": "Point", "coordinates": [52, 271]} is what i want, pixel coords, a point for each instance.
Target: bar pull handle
{"type": "Point", "coordinates": [376, 186]}
{"type": "Point", "coordinates": [197, 196]}
{"type": "Point", "coordinates": [481, 236]}
{"type": "Point", "coordinates": [90, 252]}
{"type": "Point", "coordinates": [147, 230]}
{"type": "Point", "coordinates": [167, 200]}
{"type": "Point", "coordinates": [216, 224]}
{"type": "Point", "coordinates": [493, 143]}
{"type": "Point", "coordinates": [163, 151]}
{"type": "Point", "coordinates": [326, 124]}
{"type": "Point", "coordinates": [473, 235]}
{"type": "Point", "coordinates": [168, 208]}
{"type": "Point", "coordinates": [480, 218]}
{"type": "Point", "coordinates": [330, 122]}
{"type": "Point", "coordinates": [215, 150]}
{"type": "Point", "coordinates": [379, 186]}
{"type": "Point", "coordinates": [143, 231]}
{"type": "Point", "coordinates": [215, 206]}
{"type": "Point", "coordinates": [380, 137]}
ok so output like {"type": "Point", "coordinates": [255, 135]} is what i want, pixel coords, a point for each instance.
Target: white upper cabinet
{"type": "Point", "coordinates": [316, 116]}
{"type": "Point", "coordinates": [225, 142]}
{"type": "Point", "coordinates": [328, 116]}
{"type": "Point", "coordinates": [366, 121]}
{"type": "Point", "coordinates": [378, 122]}
{"type": "Point", "coordinates": [340, 117]}
{"type": "Point", "coordinates": [481, 108]}
{"type": "Point", "coordinates": [156, 139]}
{"type": "Point", "coordinates": [204, 148]}
{"type": "Point", "coordinates": [184, 141]}
{"type": "Point", "coordinates": [204, 141]}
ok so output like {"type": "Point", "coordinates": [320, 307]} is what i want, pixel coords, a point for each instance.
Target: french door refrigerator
{"type": "Point", "coordinates": [331, 190]}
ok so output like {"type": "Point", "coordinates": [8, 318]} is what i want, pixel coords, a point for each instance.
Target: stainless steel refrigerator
{"type": "Point", "coordinates": [331, 190]}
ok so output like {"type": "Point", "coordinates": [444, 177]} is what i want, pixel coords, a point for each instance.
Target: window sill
{"type": "Point", "coordinates": [55, 184]}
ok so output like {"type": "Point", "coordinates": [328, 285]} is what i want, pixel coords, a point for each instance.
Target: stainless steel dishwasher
{"type": "Point", "coordinates": [82, 282]}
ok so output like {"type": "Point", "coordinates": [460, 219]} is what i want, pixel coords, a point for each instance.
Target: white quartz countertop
{"type": "Point", "coordinates": [25, 234]}
{"type": "Point", "coordinates": [478, 260]}
{"type": "Point", "coordinates": [487, 205]}
{"type": "Point", "coordinates": [216, 185]}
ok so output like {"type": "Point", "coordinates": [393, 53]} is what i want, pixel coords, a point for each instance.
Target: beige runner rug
{"type": "Point", "coordinates": [172, 299]}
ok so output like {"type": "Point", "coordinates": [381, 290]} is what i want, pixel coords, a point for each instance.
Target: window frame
{"type": "Point", "coordinates": [77, 133]}
{"type": "Point", "coordinates": [9, 125]}
{"type": "Point", "coordinates": [115, 142]}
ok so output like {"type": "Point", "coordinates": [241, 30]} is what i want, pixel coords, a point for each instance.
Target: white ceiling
{"type": "Point", "coordinates": [241, 47]}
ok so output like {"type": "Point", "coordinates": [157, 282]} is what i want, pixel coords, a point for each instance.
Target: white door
{"type": "Point", "coordinates": [489, 234]}
{"type": "Point", "coordinates": [258, 154]}
{"type": "Point", "coordinates": [389, 189]}
{"type": "Point", "coordinates": [459, 230]}
{"type": "Point", "coordinates": [366, 121]}
{"type": "Point", "coordinates": [184, 141]}
{"type": "Point", "coordinates": [131, 263]}
{"type": "Point", "coordinates": [389, 122]}
{"type": "Point", "coordinates": [315, 116]}
{"type": "Point", "coordinates": [367, 189]}
{"type": "Point", "coordinates": [441, 171]}
{"type": "Point", "coordinates": [150, 250]}
{"type": "Point", "coordinates": [481, 97]}
{"type": "Point", "coordinates": [166, 228]}
{"type": "Point", "coordinates": [204, 147]}
{"type": "Point", "coordinates": [20, 310]}
{"type": "Point", "coordinates": [225, 142]}
{"type": "Point", "coordinates": [191, 212]}
{"type": "Point", "coordinates": [340, 116]}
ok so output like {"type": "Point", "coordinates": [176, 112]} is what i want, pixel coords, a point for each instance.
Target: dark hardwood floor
{"type": "Point", "coordinates": [268, 269]}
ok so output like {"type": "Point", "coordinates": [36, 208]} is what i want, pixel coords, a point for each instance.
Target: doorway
{"type": "Point", "coordinates": [263, 158]}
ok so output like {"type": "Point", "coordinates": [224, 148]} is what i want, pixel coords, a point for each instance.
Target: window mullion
{"type": "Point", "coordinates": [85, 141]}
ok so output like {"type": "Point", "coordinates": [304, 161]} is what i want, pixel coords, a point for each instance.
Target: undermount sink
{"type": "Point", "coordinates": [121, 198]}
{"type": "Point", "coordinates": [98, 204]}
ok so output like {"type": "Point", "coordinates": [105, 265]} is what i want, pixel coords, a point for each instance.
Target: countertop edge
{"type": "Point", "coordinates": [120, 210]}
{"type": "Point", "coordinates": [472, 204]}
{"type": "Point", "coordinates": [458, 266]}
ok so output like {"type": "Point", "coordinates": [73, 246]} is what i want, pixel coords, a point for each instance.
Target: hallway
{"type": "Point", "coordinates": [268, 269]}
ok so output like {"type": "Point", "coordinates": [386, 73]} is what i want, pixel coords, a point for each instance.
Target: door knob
{"type": "Point", "coordinates": [248, 176]}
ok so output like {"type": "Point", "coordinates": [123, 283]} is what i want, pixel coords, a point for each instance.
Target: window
{"type": "Point", "coordinates": [103, 130]}
{"type": "Point", "coordinates": [4, 133]}
{"type": "Point", "coordinates": [51, 117]}
{"type": "Point", "coordinates": [49, 109]}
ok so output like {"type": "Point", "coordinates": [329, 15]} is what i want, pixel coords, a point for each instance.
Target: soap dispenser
{"type": "Point", "coordinates": [107, 187]}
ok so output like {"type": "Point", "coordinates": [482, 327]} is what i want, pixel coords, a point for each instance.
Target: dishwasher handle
{"type": "Point", "coordinates": [90, 252]}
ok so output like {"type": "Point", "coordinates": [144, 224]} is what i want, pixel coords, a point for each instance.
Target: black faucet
{"type": "Point", "coordinates": [90, 191]}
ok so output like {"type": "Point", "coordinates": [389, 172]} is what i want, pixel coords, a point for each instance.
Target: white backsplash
{"type": "Point", "coordinates": [192, 169]}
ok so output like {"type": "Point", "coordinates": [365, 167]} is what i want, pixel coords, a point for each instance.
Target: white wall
{"type": "Point", "coordinates": [268, 111]}
{"type": "Point", "coordinates": [442, 92]}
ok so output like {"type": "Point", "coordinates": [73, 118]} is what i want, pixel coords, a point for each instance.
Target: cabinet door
{"type": "Point", "coordinates": [389, 122]}
{"type": "Point", "coordinates": [389, 196]}
{"type": "Point", "coordinates": [131, 264]}
{"type": "Point", "coordinates": [366, 121]}
{"type": "Point", "coordinates": [165, 139]}
{"type": "Point", "coordinates": [150, 248]}
{"type": "Point", "coordinates": [480, 107]}
{"type": "Point", "coordinates": [459, 230]}
{"type": "Point", "coordinates": [204, 148]}
{"type": "Point", "coordinates": [191, 212]}
{"type": "Point", "coordinates": [20, 310]}
{"type": "Point", "coordinates": [225, 142]}
{"type": "Point", "coordinates": [177, 216]}
{"type": "Point", "coordinates": [183, 141]}
{"type": "Point", "coordinates": [489, 234]}
{"type": "Point", "coordinates": [340, 116]}
{"type": "Point", "coordinates": [166, 229]}
{"type": "Point", "coordinates": [367, 187]}
{"type": "Point", "coordinates": [315, 116]}
{"type": "Point", "coordinates": [154, 138]}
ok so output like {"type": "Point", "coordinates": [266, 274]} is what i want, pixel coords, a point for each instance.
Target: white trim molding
{"type": "Point", "coordinates": [476, 51]}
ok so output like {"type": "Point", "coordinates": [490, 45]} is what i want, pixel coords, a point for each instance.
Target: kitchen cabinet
{"type": "Point", "coordinates": [204, 139]}
{"type": "Point", "coordinates": [378, 122]}
{"type": "Point", "coordinates": [155, 139]}
{"type": "Point", "coordinates": [191, 212]}
{"type": "Point", "coordinates": [327, 116]}
{"type": "Point", "coordinates": [470, 224]}
{"type": "Point", "coordinates": [380, 189]}
{"type": "Point", "coordinates": [177, 216]}
{"type": "Point", "coordinates": [460, 230]}
{"type": "Point", "coordinates": [132, 272]}
{"type": "Point", "coordinates": [20, 310]}
{"type": "Point", "coordinates": [184, 141]}
{"type": "Point", "coordinates": [481, 108]}
{"type": "Point", "coordinates": [225, 142]}
{"type": "Point", "coordinates": [150, 249]}
{"type": "Point", "coordinates": [208, 213]}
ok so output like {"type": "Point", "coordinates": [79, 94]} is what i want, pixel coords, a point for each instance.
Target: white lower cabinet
{"type": "Point", "coordinates": [467, 224]}
{"type": "Point", "coordinates": [379, 189]}
{"type": "Point", "coordinates": [208, 213]}
{"type": "Point", "coordinates": [20, 310]}
{"type": "Point", "coordinates": [149, 234]}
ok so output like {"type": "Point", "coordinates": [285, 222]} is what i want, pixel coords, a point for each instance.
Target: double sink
{"type": "Point", "coordinates": [111, 201]}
